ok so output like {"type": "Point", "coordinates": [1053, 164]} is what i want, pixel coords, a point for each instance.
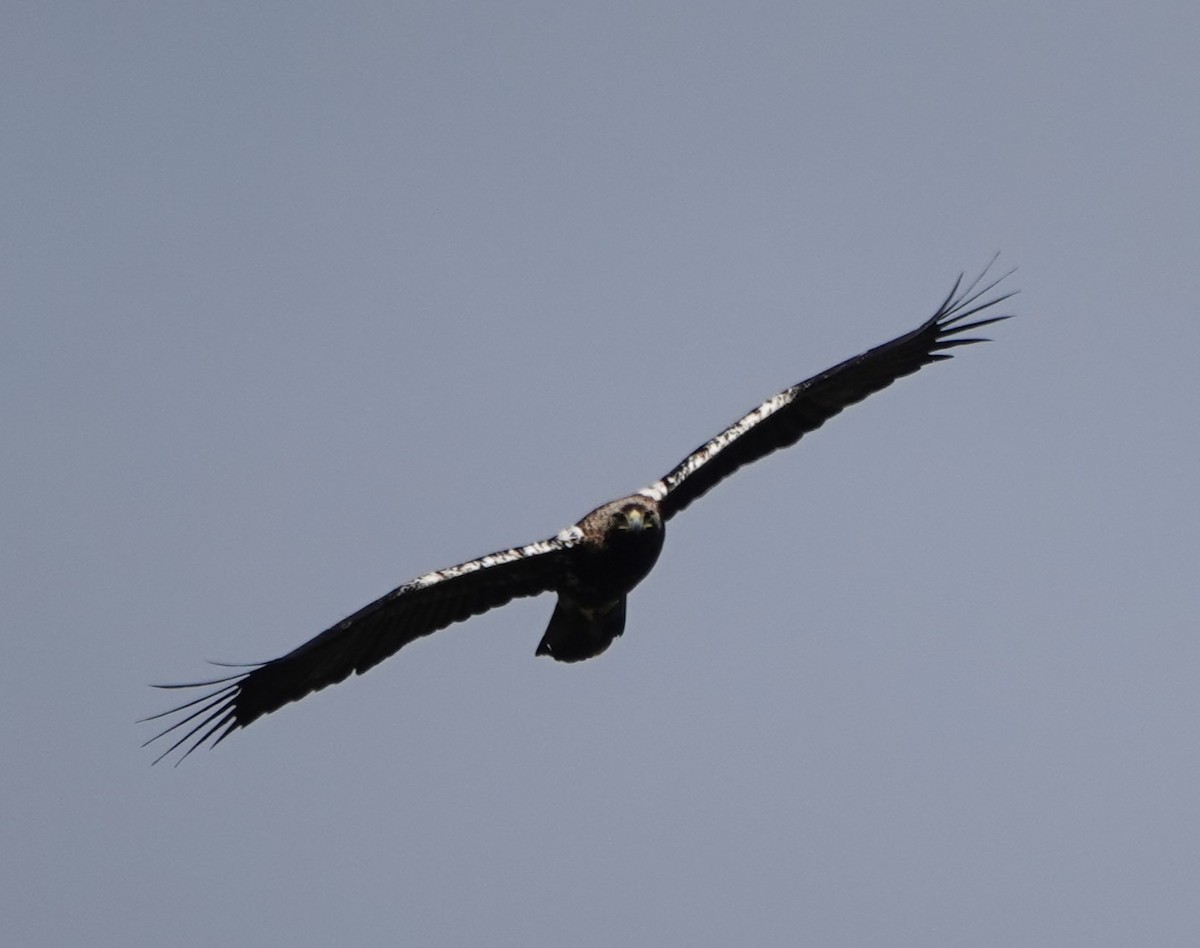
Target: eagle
{"type": "Point", "coordinates": [591, 566]}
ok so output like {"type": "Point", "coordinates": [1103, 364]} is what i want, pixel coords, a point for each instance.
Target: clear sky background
{"type": "Point", "coordinates": [302, 300]}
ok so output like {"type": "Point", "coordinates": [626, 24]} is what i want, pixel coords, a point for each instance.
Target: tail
{"type": "Point", "coordinates": [576, 632]}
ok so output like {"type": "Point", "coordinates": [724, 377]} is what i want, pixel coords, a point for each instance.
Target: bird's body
{"type": "Point", "coordinates": [620, 545]}
{"type": "Point", "coordinates": [593, 565]}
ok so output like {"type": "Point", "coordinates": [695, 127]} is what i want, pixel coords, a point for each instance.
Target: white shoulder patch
{"type": "Point", "coordinates": [656, 491]}
{"type": "Point", "coordinates": [568, 536]}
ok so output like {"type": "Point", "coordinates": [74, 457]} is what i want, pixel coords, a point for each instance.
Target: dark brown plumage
{"type": "Point", "coordinates": [593, 565]}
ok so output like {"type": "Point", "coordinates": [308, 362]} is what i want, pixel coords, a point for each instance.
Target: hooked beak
{"type": "Point", "coordinates": [636, 520]}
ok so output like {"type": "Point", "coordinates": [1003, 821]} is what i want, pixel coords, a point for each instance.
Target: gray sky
{"type": "Point", "coordinates": [303, 300]}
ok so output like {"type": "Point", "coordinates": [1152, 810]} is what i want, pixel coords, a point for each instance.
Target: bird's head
{"type": "Point", "coordinates": [629, 520]}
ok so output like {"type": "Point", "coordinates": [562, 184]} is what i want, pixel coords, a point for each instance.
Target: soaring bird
{"type": "Point", "coordinates": [592, 565]}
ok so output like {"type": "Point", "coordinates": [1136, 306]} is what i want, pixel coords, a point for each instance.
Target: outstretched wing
{"type": "Point", "coordinates": [783, 420]}
{"type": "Point", "coordinates": [365, 639]}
